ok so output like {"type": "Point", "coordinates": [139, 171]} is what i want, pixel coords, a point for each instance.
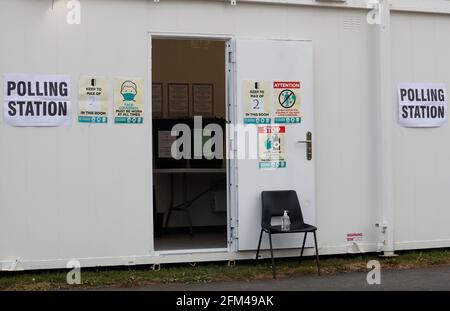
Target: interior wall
{"type": "Point", "coordinates": [184, 61]}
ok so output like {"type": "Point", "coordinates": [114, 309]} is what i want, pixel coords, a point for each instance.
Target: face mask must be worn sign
{"type": "Point", "coordinates": [128, 101]}
{"type": "Point", "coordinates": [422, 104]}
{"type": "Point", "coordinates": [36, 100]}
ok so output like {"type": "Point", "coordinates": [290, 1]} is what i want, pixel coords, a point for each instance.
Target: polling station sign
{"type": "Point", "coordinates": [422, 104]}
{"type": "Point", "coordinates": [36, 100]}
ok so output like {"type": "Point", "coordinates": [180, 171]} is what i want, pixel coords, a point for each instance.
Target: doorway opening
{"type": "Point", "coordinates": [189, 114]}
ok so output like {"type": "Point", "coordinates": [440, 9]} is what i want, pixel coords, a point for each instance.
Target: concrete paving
{"type": "Point", "coordinates": [425, 279]}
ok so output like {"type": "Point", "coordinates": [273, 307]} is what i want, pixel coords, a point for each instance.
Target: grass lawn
{"type": "Point", "coordinates": [210, 272]}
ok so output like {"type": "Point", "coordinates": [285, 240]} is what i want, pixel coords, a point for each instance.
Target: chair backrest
{"type": "Point", "coordinates": [274, 203]}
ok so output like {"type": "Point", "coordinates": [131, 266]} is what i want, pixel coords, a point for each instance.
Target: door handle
{"type": "Point", "coordinates": [308, 143]}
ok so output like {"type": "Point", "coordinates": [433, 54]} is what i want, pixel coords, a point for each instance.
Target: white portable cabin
{"type": "Point", "coordinates": [85, 191]}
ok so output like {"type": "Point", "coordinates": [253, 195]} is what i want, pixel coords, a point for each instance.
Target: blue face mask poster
{"type": "Point", "coordinates": [128, 100]}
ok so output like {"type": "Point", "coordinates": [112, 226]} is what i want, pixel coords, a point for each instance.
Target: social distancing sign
{"type": "Point", "coordinates": [36, 100]}
{"type": "Point", "coordinates": [257, 102]}
{"type": "Point", "coordinates": [272, 146]}
{"type": "Point", "coordinates": [267, 102]}
{"type": "Point", "coordinates": [128, 100]}
{"type": "Point", "coordinates": [93, 100]}
{"type": "Point", "coordinates": [287, 101]}
{"type": "Point", "coordinates": [422, 104]}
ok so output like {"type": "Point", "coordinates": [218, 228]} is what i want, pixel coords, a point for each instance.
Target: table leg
{"type": "Point", "coordinates": [172, 202]}
{"type": "Point", "coordinates": [186, 207]}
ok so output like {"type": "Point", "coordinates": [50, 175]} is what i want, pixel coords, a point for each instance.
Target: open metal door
{"type": "Point", "coordinates": [284, 70]}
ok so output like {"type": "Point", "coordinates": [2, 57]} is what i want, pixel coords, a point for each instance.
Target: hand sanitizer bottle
{"type": "Point", "coordinates": [285, 222]}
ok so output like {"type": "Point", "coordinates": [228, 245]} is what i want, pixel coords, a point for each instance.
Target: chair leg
{"type": "Point", "coordinates": [303, 247]}
{"type": "Point", "coordinates": [259, 245]}
{"type": "Point", "coordinates": [317, 253]}
{"type": "Point", "coordinates": [271, 253]}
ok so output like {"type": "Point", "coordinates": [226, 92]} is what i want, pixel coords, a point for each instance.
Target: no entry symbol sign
{"type": "Point", "coordinates": [288, 95]}
{"type": "Point", "coordinates": [287, 98]}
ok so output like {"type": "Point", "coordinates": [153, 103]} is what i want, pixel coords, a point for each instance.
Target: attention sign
{"type": "Point", "coordinates": [287, 101]}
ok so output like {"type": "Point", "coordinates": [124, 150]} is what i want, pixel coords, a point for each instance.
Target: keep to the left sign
{"type": "Point", "coordinates": [36, 100]}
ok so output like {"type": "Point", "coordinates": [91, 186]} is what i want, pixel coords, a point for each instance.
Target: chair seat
{"type": "Point", "coordinates": [293, 228]}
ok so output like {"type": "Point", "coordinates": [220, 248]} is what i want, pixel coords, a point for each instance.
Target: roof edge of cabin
{"type": "Point", "coordinates": [415, 6]}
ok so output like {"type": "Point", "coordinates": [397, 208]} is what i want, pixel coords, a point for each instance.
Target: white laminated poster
{"type": "Point", "coordinates": [128, 100]}
{"type": "Point", "coordinates": [157, 100]}
{"type": "Point", "coordinates": [287, 101]}
{"type": "Point", "coordinates": [36, 100]}
{"type": "Point", "coordinates": [178, 99]}
{"type": "Point", "coordinates": [165, 142]}
{"type": "Point", "coordinates": [272, 146]}
{"type": "Point", "coordinates": [203, 99]}
{"type": "Point", "coordinates": [422, 104]}
{"type": "Point", "coordinates": [256, 102]}
{"type": "Point", "coordinates": [93, 100]}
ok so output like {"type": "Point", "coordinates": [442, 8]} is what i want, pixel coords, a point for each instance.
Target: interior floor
{"type": "Point", "coordinates": [174, 241]}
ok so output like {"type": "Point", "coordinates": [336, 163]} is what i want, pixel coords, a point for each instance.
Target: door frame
{"type": "Point", "coordinates": [230, 102]}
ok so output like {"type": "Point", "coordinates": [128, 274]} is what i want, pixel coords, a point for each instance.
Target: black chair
{"type": "Point", "coordinates": [274, 203]}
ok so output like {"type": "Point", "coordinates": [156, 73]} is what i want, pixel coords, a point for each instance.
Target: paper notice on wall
{"type": "Point", "coordinates": [272, 146]}
{"type": "Point", "coordinates": [165, 142]}
{"type": "Point", "coordinates": [157, 100]}
{"type": "Point", "coordinates": [287, 101]}
{"type": "Point", "coordinates": [422, 104]}
{"type": "Point", "coordinates": [128, 100]}
{"type": "Point", "coordinates": [203, 99]}
{"type": "Point", "coordinates": [36, 100]}
{"type": "Point", "coordinates": [256, 102]}
{"type": "Point", "coordinates": [355, 237]}
{"type": "Point", "coordinates": [178, 100]}
{"type": "Point", "coordinates": [93, 100]}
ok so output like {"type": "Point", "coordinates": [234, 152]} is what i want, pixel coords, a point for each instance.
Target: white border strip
{"type": "Point", "coordinates": [419, 6]}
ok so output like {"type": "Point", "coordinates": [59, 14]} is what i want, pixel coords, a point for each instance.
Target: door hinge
{"type": "Point", "coordinates": [231, 57]}
{"type": "Point", "coordinates": [231, 145]}
{"type": "Point", "coordinates": [234, 232]}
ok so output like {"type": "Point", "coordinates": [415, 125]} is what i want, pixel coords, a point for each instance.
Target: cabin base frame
{"type": "Point", "coordinates": [209, 255]}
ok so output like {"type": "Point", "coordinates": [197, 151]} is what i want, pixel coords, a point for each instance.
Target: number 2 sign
{"type": "Point", "coordinates": [256, 96]}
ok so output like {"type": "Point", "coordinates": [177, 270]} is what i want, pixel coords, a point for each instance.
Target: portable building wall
{"type": "Point", "coordinates": [85, 191]}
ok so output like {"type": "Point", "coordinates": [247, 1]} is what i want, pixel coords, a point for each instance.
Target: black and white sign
{"type": "Point", "coordinates": [36, 100]}
{"type": "Point", "coordinates": [422, 104]}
